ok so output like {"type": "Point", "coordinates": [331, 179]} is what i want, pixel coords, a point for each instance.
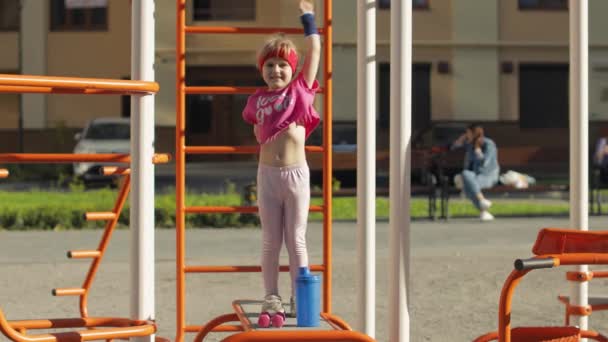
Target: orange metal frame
{"type": "Point", "coordinates": [181, 150]}
{"type": "Point", "coordinates": [557, 244]}
{"type": "Point", "coordinates": [92, 328]}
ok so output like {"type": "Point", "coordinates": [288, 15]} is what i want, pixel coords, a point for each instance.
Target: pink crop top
{"type": "Point", "coordinates": [274, 110]}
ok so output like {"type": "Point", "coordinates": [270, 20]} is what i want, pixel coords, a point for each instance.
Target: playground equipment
{"type": "Point", "coordinates": [553, 248]}
{"type": "Point", "coordinates": [104, 327]}
{"type": "Point", "coordinates": [335, 329]}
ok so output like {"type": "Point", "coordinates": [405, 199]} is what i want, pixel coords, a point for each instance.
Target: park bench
{"type": "Point", "coordinates": [346, 161]}
{"type": "Point", "coordinates": [532, 160]}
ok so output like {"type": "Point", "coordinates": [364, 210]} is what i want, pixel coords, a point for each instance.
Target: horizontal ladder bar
{"type": "Point", "coordinates": [4, 173]}
{"type": "Point", "coordinates": [115, 171]}
{"type": "Point", "coordinates": [236, 149]}
{"type": "Point", "coordinates": [245, 30]}
{"type": "Point", "coordinates": [236, 269]}
{"type": "Point", "coordinates": [226, 90]}
{"type": "Point", "coordinates": [234, 209]}
{"type": "Point", "coordinates": [68, 292]}
{"type": "Point", "coordinates": [100, 216]}
{"type": "Point", "coordinates": [83, 254]}
{"type": "Point", "coordinates": [221, 328]}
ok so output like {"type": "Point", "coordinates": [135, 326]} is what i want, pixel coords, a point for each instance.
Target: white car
{"type": "Point", "coordinates": [102, 135]}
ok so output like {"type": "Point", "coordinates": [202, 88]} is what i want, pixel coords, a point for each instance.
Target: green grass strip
{"type": "Point", "coordinates": [57, 210]}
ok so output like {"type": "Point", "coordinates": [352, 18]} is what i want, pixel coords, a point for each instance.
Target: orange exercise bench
{"type": "Point", "coordinates": [553, 248]}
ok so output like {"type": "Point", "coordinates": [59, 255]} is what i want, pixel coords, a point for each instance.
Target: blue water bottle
{"type": "Point", "coordinates": [308, 298]}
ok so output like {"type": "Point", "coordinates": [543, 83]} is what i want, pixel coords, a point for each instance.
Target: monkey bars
{"type": "Point", "coordinates": [93, 328]}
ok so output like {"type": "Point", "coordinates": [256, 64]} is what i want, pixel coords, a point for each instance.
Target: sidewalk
{"type": "Point", "coordinates": [457, 270]}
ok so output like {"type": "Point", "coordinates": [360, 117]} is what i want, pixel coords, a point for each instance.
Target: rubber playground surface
{"type": "Point", "coordinates": [457, 270]}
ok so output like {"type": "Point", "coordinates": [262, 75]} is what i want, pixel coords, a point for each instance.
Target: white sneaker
{"type": "Point", "coordinates": [486, 216]}
{"type": "Point", "coordinates": [458, 182]}
{"type": "Point", "coordinates": [272, 304]}
{"type": "Point", "coordinates": [484, 204]}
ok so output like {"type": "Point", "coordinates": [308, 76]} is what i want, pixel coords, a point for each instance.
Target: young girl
{"type": "Point", "coordinates": [283, 117]}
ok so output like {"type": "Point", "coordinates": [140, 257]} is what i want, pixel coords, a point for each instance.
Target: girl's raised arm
{"type": "Point", "coordinates": [313, 42]}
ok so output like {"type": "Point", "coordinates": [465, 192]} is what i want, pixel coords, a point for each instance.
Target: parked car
{"type": "Point", "coordinates": [101, 135]}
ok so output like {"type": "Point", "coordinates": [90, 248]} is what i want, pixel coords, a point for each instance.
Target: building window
{"type": "Point", "coordinates": [209, 10]}
{"type": "Point", "coordinates": [78, 18]}
{"type": "Point", "coordinates": [421, 96]}
{"type": "Point", "coordinates": [543, 4]}
{"type": "Point", "coordinates": [9, 15]}
{"type": "Point", "coordinates": [416, 4]}
{"type": "Point", "coordinates": [543, 95]}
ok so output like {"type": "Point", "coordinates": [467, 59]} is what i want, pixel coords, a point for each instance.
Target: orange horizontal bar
{"type": "Point", "coordinates": [221, 328]}
{"type": "Point", "coordinates": [218, 209]}
{"type": "Point", "coordinates": [80, 322]}
{"type": "Point", "coordinates": [235, 209]}
{"type": "Point", "coordinates": [62, 158]}
{"type": "Point", "coordinates": [68, 292]}
{"type": "Point", "coordinates": [100, 216]}
{"type": "Point", "coordinates": [114, 170]}
{"type": "Point", "coordinates": [220, 90]}
{"type": "Point", "coordinates": [245, 30]}
{"type": "Point", "coordinates": [83, 254]}
{"type": "Point", "coordinates": [161, 158]}
{"type": "Point", "coordinates": [236, 269]}
{"type": "Point", "coordinates": [75, 158]}
{"type": "Point", "coordinates": [225, 90]}
{"type": "Point", "coordinates": [49, 90]}
{"type": "Point", "coordinates": [235, 149]}
{"type": "Point", "coordinates": [4, 173]}
{"type": "Point", "coordinates": [99, 84]}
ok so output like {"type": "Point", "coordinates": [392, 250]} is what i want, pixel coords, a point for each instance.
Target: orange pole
{"type": "Point", "coordinates": [180, 177]}
{"type": "Point", "coordinates": [247, 269]}
{"type": "Point", "coordinates": [235, 209]}
{"type": "Point", "coordinates": [236, 149]}
{"type": "Point", "coordinates": [226, 90]}
{"type": "Point", "coordinates": [4, 173]}
{"type": "Point", "coordinates": [327, 157]}
{"type": "Point", "coordinates": [100, 84]}
{"type": "Point", "coordinates": [245, 30]}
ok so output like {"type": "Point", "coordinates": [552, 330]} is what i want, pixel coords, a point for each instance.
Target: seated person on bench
{"type": "Point", "coordinates": [481, 168]}
{"type": "Point", "coordinates": [600, 158]}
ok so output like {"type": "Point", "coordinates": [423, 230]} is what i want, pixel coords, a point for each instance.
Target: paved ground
{"type": "Point", "coordinates": [457, 270]}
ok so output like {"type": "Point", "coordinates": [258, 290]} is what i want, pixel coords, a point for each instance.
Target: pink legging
{"type": "Point", "coordinates": [283, 201]}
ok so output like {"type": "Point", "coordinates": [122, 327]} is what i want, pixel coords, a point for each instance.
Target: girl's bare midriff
{"type": "Point", "coordinates": [286, 149]}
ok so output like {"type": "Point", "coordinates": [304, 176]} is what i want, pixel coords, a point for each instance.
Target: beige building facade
{"type": "Point", "coordinates": [501, 62]}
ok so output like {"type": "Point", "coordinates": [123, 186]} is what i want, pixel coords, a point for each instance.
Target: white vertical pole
{"type": "Point", "coordinates": [400, 149]}
{"type": "Point", "coordinates": [366, 165]}
{"type": "Point", "coordinates": [579, 132]}
{"type": "Point", "coordinates": [142, 168]}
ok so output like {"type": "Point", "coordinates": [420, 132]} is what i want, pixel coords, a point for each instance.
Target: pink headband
{"type": "Point", "coordinates": [292, 58]}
